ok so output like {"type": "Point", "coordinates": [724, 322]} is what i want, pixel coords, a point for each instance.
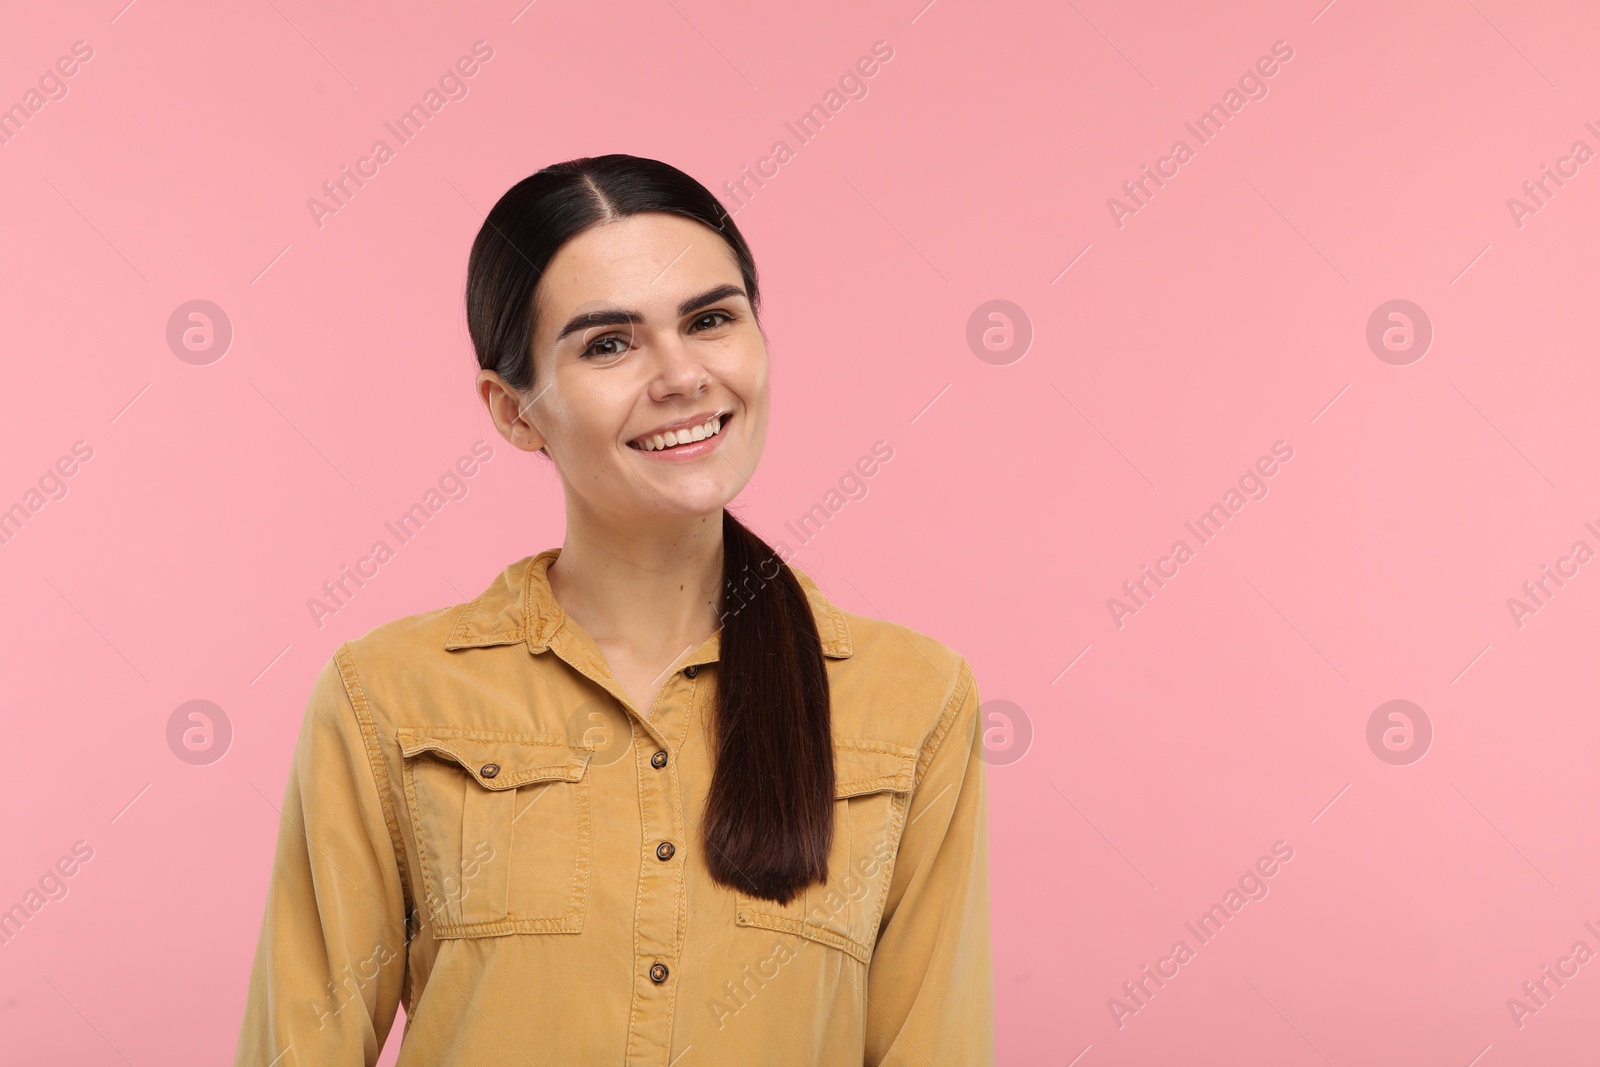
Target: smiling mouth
{"type": "Point", "coordinates": [661, 442]}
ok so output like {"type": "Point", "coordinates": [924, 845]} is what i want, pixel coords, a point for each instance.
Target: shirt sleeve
{"type": "Point", "coordinates": [930, 986]}
{"type": "Point", "coordinates": [330, 963]}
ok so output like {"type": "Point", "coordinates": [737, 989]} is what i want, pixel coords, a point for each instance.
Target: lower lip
{"type": "Point", "coordinates": [686, 453]}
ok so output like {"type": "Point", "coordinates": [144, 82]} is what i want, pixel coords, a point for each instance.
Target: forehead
{"type": "Point", "coordinates": [647, 263]}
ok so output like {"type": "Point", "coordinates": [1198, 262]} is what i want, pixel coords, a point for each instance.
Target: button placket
{"type": "Point", "coordinates": [660, 906]}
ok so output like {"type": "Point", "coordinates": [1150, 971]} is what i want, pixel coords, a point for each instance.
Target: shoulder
{"type": "Point", "coordinates": [898, 683]}
{"type": "Point", "coordinates": [889, 683]}
{"type": "Point", "coordinates": [416, 648]}
{"type": "Point", "coordinates": [409, 639]}
{"type": "Point", "coordinates": [396, 665]}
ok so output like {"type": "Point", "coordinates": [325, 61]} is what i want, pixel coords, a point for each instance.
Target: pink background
{"type": "Point", "coordinates": [1230, 312]}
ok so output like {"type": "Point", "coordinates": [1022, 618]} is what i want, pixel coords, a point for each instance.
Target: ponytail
{"type": "Point", "coordinates": [769, 819]}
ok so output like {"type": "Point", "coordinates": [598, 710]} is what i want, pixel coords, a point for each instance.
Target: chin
{"type": "Point", "coordinates": [667, 504]}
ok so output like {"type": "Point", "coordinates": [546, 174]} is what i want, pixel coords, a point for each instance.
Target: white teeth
{"type": "Point", "coordinates": [710, 428]}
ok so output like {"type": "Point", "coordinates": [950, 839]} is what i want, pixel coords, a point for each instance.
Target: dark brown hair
{"type": "Point", "coordinates": [768, 824]}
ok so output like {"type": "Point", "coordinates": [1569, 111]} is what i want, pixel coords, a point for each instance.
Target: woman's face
{"type": "Point", "coordinates": [643, 323]}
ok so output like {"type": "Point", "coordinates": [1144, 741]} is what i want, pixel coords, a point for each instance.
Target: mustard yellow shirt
{"type": "Point", "coordinates": [478, 825]}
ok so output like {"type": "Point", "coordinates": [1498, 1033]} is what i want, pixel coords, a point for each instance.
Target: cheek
{"type": "Point", "coordinates": [587, 420]}
{"type": "Point", "coordinates": [756, 417]}
{"type": "Point", "coordinates": [753, 383]}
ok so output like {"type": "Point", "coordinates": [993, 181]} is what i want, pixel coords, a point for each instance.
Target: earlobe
{"type": "Point", "coordinates": [507, 412]}
{"type": "Point", "coordinates": [526, 439]}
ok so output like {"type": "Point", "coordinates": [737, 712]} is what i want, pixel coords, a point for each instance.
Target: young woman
{"type": "Point", "coordinates": [650, 798]}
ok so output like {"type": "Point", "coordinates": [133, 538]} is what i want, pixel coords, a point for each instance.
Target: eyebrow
{"type": "Point", "coordinates": [619, 318]}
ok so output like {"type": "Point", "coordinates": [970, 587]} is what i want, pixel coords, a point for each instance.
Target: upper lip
{"type": "Point", "coordinates": [682, 424]}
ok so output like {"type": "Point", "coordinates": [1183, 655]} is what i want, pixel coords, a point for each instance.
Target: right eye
{"type": "Point", "coordinates": [612, 344]}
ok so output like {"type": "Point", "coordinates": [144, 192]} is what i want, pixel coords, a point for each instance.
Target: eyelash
{"type": "Point", "coordinates": [590, 353]}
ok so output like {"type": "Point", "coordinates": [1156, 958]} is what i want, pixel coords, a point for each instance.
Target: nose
{"type": "Point", "coordinates": [679, 371]}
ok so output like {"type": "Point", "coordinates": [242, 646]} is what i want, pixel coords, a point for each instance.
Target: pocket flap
{"type": "Point", "coordinates": [867, 766]}
{"type": "Point", "coordinates": [499, 760]}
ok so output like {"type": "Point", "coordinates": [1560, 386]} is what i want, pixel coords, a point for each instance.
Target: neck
{"type": "Point", "coordinates": [654, 592]}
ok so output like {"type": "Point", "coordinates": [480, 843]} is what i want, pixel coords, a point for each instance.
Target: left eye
{"type": "Point", "coordinates": [714, 315]}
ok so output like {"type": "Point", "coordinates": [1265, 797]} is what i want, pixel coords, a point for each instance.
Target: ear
{"type": "Point", "coordinates": [509, 411]}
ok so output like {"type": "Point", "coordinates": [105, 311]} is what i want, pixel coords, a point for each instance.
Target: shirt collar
{"type": "Point", "coordinates": [519, 606]}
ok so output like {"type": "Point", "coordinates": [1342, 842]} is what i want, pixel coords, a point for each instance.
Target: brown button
{"type": "Point", "coordinates": [489, 770]}
{"type": "Point", "coordinates": [659, 759]}
{"type": "Point", "coordinates": [658, 973]}
{"type": "Point", "coordinates": [691, 671]}
{"type": "Point", "coordinates": [664, 850]}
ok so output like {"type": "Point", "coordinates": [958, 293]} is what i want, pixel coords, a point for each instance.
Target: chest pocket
{"type": "Point", "coordinates": [872, 787]}
{"type": "Point", "coordinates": [503, 830]}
